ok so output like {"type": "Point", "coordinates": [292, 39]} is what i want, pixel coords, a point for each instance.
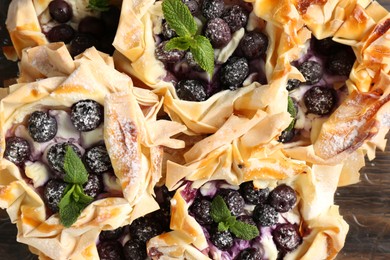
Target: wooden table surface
{"type": "Point", "coordinates": [365, 206]}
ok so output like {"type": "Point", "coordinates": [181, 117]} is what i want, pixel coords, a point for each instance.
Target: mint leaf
{"type": "Point", "coordinates": [222, 226]}
{"type": "Point", "coordinates": [293, 112]}
{"type": "Point", "coordinates": [179, 18]}
{"type": "Point", "coordinates": [203, 53]}
{"type": "Point", "coordinates": [75, 171]}
{"type": "Point", "coordinates": [219, 210]}
{"type": "Point", "coordinates": [82, 197]}
{"type": "Point", "coordinates": [243, 230]}
{"type": "Point", "coordinates": [227, 223]}
{"type": "Point", "coordinates": [180, 43]}
{"type": "Point", "coordinates": [99, 5]}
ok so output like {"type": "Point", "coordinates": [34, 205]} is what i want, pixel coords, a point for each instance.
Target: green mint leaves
{"type": "Point", "coordinates": [99, 5]}
{"type": "Point", "coordinates": [74, 199]}
{"type": "Point", "coordinates": [221, 214]}
{"type": "Point", "coordinates": [180, 19]}
{"type": "Point", "coordinates": [293, 112]}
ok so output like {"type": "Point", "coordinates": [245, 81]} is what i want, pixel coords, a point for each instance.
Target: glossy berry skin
{"type": "Point", "coordinates": [320, 100]}
{"type": "Point", "coordinates": [202, 211]}
{"type": "Point", "coordinates": [249, 254]}
{"type": "Point", "coordinates": [218, 32]}
{"type": "Point", "coordinates": [311, 71]}
{"type": "Point", "coordinates": [253, 195]}
{"type": "Point", "coordinates": [221, 239]}
{"type": "Point", "coordinates": [17, 150]}
{"type": "Point", "coordinates": [265, 215]}
{"type": "Point", "coordinates": [60, 11]}
{"type": "Point", "coordinates": [286, 237]}
{"type": "Point", "coordinates": [81, 42]}
{"type": "Point", "coordinates": [144, 229]}
{"type": "Point", "coordinates": [234, 201]}
{"type": "Point", "coordinates": [212, 8]}
{"type": "Point", "coordinates": [167, 31]}
{"type": "Point", "coordinates": [234, 72]}
{"type": "Point", "coordinates": [236, 17]}
{"type": "Point", "coordinates": [94, 186]}
{"type": "Point", "coordinates": [193, 6]}
{"type": "Point", "coordinates": [110, 18]}
{"type": "Point", "coordinates": [165, 56]}
{"type": "Point", "coordinates": [86, 115]}
{"type": "Point", "coordinates": [287, 136]}
{"type": "Point", "coordinates": [191, 90]}
{"type": "Point", "coordinates": [253, 44]}
{"type": "Point", "coordinates": [341, 63]}
{"type": "Point", "coordinates": [42, 127]}
{"type": "Point", "coordinates": [56, 156]}
{"type": "Point", "coordinates": [282, 198]}
{"type": "Point", "coordinates": [91, 25]}
{"type": "Point", "coordinates": [135, 250]}
{"type": "Point", "coordinates": [292, 84]}
{"type": "Point", "coordinates": [52, 194]}
{"type": "Point", "coordinates": [61, 33]}
{"type": "Point", "coordinates": [111, 234]}
{"type": "Point", "coordinates": [110, 250]}
{"type": "Point", "coordinates": [97, 159]}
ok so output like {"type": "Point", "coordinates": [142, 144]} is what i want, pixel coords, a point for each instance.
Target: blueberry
{"type": "Point", "coordinates": [221, 239]}
{"type": "Point", "coordinates": [236, 17]}
{"type": "Point", "coordinates": [233, 200]}
{"type": "Point", "coordinates": [341, 63]}
{"type": "Point", "coordinates": [212, 8]}
{"type": "Point", "coordinates": [61, 33]}
{"type": "Point", "coordinates": [94, 186]}
{"type": "Point", "coordinates": [320, 100]}
{"type": "Point", "coordinates": [56, 156]}
{"type": "Point", "coordinates": [163, 217]}
{"type": "Point", "coordinates": [253, 195]}
{"type": "Point", "coordinates": [218, 32]}
{"type": "Point", "coordinates": [60, 11]}
{"type": "Point", "coordinates": [202, 211]}
{"type": "Point", "coordinates": [144, 228]}
{"type": "Point", "coordinates": [253, 44]}
{"type": "Point", "coordinates": [42, 127]}
{"type": "Point", "coordinates": [265, 215]}
{"type": "Point", "coordinates": [193, 6]}
{"type": "Point", "coordinates": [191, 90]}
{"type": "Point", "coordinates": [311, 71]}
{"type": "Point", "coordinates": [287, 136]}
{"type": "Point", "coordinates": [292, 84]}
{"type": "Point", "coordinates": [111, 234]}
{"type": "Point", "coordinates": [86, 115]}
{"type": "Point", "coordinates": [165, 56]}
{"type": "Point", "coordinates": [234, 72]}
{"type": "Point", "coordinates": [282, 198]}
{"type": "Point", "coordinates": [189, 57]}
{"type": "Point", "coordinates": [326, 46]}
{"type": "Point", "coordinates": [52, 194]}
{"type": "Point", "coordinates": [81, 42]}
{"type": "Point", "coordinates": [17, 150]}
{"type": "Point", "coordinates": [246, 219]}
{"type": "Point", "coordinates": [97, 159]}
{"type": "Point", "coordinates": [167, 31]}
{"type": "Point", "coordinates": [286, 237]}
{"type": "Point", "coordinates": [249, 254]}
{"type": "Point", "coordinates": [110, 250]}
{"type": "Point", "coordinates": [110, 19]}
{"type": "Point", "coordinates": [135, 250]}
{"type": "Point", "coordinates": [91, 25]}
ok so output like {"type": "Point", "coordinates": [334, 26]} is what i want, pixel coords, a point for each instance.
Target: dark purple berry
{"type": "Point", "coordinates": [167, 31]}
{"type": "Point", "coordinates": [202, 211]}
{"type": "Point", "coordinates": [111, 234]}
{"type": "Point", "coordinates": [236, 17]}
{"type": "Point", "coordinates": [81, 42]}
{"type": "Point", "coordinates": [293, 84]}
{"type": "Point", "coordinates": [110, 250]}
{"type": "Point", "coordinates": [42, 127]}
{"type": "Point", "coordinates": [326, 46]}
{"type": "Point", "coordinates": [52, 194]}
{"type": "Point", "coordinates": [60, 11]}
{"type": "Point", "coordinates": [105, 44]}
{"type": "Point", "coordinates": [234, 72]}
{"type": "Point", "coordinates": [320, 100]}
{"type": "Point", "coordinates": [91, 25]}
{"type": "Point", "coordinates": [282, 198]}
{"type": "Point", "coordinates": [311, 71]}
{"type": "Point", "coordinates": [86, 115]}
{"type": "Point", "coordinates": [189, 57]}
{"type": "Point", "coordinates": [286, 237]}
{"type": "Point", "coordinates": [265, 215]}
{"type": "Point", "coordinates": [193, 6]}
{"type": "Point", "coordinates": [165, 56]}
{"type": "Point", "coordinates": [135, 250]}
{"type": "Point", "coordinates": [191, 90]}
{"type": "Point", "coordinates": [253, 195]}
{"type": "Point", "coordinates": [221, 239]}
{"type": "Point", "coordinates": [17, 150]}
{"type": "Point", "coordinates": [94, 186]}
{"type": "Point", "coordinates": [253, 44]}
{"type": "Point", "coordinates": [61, 33]}
{"type": "Point", "coordinates": [249, 254]}
{"type": "Point", "coordinates": [56, 156]}
{"type": "Point", "coordinates": [286, 136]}
{"type": "Point", "coordinates": [341, 63]}
{"type": "Point", "coordinates": [234, 201]}
{"type": "Point", "coordinates": [97, 159]}
{"type": "Point", "coordinates": [218, 32]}
{"type": "Point", "coordinates": [212, 8]}
{"type": "Point", "coordinates": [144, 229]}
{"type": "Point", "coordinates": [246, 219]}
{"type": "Point", "coordinates": [110, 19]}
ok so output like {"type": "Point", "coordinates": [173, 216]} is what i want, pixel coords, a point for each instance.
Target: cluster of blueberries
{"type": "Point", "coordinates": [91, 31]}
{"type": "Point", "coordinates": [266, 213]}
{"type": "Point", "coordinates": [219, 23]}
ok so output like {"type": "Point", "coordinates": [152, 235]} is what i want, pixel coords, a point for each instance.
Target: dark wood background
{"type": "Point", "coordinates": [365, 206]}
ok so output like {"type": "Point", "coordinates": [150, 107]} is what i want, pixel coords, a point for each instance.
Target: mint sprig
{"type": "Point", "coordinates": [74, 199]}
{"type": "Point", "coordinates": [293, 112]}
{"type": "Point", "coordinates": [180, 19]}
{"type": "Point", "coordinates": [221, 214]}
{"type": "Point", "coordinates": [99, 5]}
